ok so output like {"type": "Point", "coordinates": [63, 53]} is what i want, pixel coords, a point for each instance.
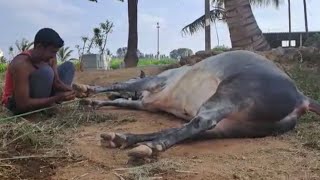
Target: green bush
{"type": "Point", "coordinates": [3, 67]}
{"type": "Point", "coordinates": [147, 62]}
{"type": "Point", "coordinates": [221, 48]}
{"type": "Point", "coordinates": [313, 41]}
{"type": "Point", "coordinates": [115, 63]}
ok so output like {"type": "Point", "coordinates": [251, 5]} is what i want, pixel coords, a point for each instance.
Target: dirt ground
{"type": "Point", "coordinates": [281, 157]}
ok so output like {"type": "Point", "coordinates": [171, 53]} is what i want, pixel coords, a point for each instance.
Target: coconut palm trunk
{"type": "Point", "coordinates": [207, 25]}
{"type": "Point", "coordinates": [131, 58]}
{"type": "Point", "coordinates": [243, 28]}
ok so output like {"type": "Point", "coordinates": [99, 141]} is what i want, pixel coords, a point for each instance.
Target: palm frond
{"type": "Point", "coordinates": [217, 13]}
{"type": "Point", "coordinates": [218, 3]}
{"type": "Point", "coordinates": [64, 54]}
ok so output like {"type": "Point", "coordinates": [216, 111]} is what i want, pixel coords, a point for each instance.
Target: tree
{"type": "Point", "coordinates": [23, 45]}
{"type": "Point", "coordinates": [181, 52]}
{"type": "Point", "coordinates": [121, 52]}
{"type": "Point", "coordinates": [3, 59]}
{"type": "Point", "coordinates": [64, 54]}
{"type": "Point", "coordinates": [243, 28]}
{"type": "Point", "coordinates": [81, 50]}
{"type": "Point", "coordinates": [101, 35]}
{"type": "Point", "coordinates": [207, 34]}
{"type": "Point", "coordinates": [11, 52]}
{"type": "Point", "coordinates": [131, 58]}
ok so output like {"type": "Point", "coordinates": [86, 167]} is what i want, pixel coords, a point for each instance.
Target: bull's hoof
{"type": "Point", "coordinates": [80, 87]}
{"type": "Point", "coordinates": [82, 91]}
{"type": "Point", "coordinates": [141, 151]}
{"type": "Point", "coordinates": [113, 140]}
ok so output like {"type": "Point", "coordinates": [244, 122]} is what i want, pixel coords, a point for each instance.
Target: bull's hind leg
{"type": "Point", "coordinates": [208, 117]}
{"type": "Point", "coordinates": [130, 104]}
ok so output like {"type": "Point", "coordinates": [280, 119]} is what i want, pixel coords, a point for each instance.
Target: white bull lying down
{"type": "Point", "coordinates": [231, 95]}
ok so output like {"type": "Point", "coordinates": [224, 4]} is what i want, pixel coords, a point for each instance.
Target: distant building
{"type": "Point", "coordinates": [281, 39]}
{"type": "Point", "coordinates": [96, 62]}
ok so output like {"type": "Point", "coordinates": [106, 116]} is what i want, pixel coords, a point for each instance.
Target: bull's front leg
{"type": "Point", "coordinates": [209, 115]}
{"type": "Point", "coordinates": [149, 83]}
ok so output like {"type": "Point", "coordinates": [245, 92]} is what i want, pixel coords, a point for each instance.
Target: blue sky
{"type": "Point", "coordinates": [75, 18]}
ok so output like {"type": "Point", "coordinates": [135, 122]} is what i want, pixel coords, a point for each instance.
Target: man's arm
{"type": "Point", "coordinates": [57, 83]}
{"type": "Point", "coordinates": [20, 73]}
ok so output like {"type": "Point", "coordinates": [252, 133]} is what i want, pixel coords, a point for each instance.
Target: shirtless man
{"type": "Point", "coordinates": [33, 80]}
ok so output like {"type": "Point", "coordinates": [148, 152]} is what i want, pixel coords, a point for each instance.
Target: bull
{"type": "Point", "coordinates": [236, 94]}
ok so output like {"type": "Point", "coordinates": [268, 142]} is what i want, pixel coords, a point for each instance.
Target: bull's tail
{"type": "Point", "coordinates": [314, 106]}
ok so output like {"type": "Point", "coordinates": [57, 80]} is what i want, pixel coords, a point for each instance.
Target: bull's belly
{"type": "Point", "coordinates": [184, 97]}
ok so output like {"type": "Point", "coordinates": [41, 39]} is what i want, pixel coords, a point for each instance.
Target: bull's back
{"type": "Point", "coordinates": [228, 64]}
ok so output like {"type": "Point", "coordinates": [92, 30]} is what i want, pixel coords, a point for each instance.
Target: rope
{"type": "Point", "coordinates": [38, 110]}
{"type": "Point", "coordinates": [43, 109]}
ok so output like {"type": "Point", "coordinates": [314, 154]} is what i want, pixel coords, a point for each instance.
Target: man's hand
{"type": "Point", "coordinates": [65, 96]}
{"type": "Point", "coordinates": [60, 86]}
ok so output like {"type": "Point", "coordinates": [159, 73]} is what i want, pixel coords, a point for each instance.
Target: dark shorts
{"type": "Point", "coordinates": [41, 81]}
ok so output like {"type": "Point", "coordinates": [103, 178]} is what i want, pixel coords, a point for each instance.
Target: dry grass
{"type": "Point", "coordinates": [43, 137]}
{"type": "Point", "coordinates": [152, 170]}
{"type": "Point", "coordinates": [308, 80]}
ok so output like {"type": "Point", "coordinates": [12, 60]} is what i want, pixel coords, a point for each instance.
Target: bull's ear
{"type": "Point", "coordinates": [142, 74]}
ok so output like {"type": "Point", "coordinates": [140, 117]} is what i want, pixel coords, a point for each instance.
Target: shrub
{"type": "Point", "coordinates": [3, 67]}
{"type": "Point", "coordinates": [221, 48]}
{"type": "Point", "coordinates": [313, 41]}
{"type": "Point", "coordinates": [115, 63]}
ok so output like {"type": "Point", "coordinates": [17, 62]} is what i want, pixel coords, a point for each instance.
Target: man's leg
{"type": "Point", "coordinates": [41, 82]}
{"type": "Point", "coordinates": [40, 86]}
{"type": "Point", "coordinates": [66, 72]}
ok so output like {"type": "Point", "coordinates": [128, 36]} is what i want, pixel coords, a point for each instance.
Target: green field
{"type": "Point", "coordinates": [115, 63]}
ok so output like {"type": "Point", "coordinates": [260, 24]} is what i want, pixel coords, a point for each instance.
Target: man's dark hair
{"type": "Point", "coordinates": [48, 37]}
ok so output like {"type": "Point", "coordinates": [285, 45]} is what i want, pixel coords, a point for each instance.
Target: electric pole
{"type": "Point", "coordinates": [158, 52]}
{"type": "Point", "coordinates": [289, 11]}
{"type": "Point", "coordinates": [305, 17]}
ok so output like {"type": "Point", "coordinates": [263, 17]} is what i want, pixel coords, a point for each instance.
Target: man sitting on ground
{"type": "Point", "coordinates": [33, 80]}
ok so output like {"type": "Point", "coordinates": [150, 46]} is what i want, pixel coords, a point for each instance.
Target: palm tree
{"type": "Point", "coordinates": [243, 28]}
{"type": "Point", "coordinates": [207, 34]}
{"type": "Point", "coordinates": [64, 54]}
{"type": "Point", "coordinates": [131, 57]}
{"type": "Point", "coordinates": [23, 45]}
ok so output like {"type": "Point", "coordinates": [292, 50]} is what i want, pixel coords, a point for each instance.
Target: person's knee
{"type": "Point", "coordinates": [66, 72]}
{"type": "Point", "coordinates": [68, 66]}
{"type": "Point", "coordinates": [41, 82]}
{"type": "Point", "coordinates": [45, 72]}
